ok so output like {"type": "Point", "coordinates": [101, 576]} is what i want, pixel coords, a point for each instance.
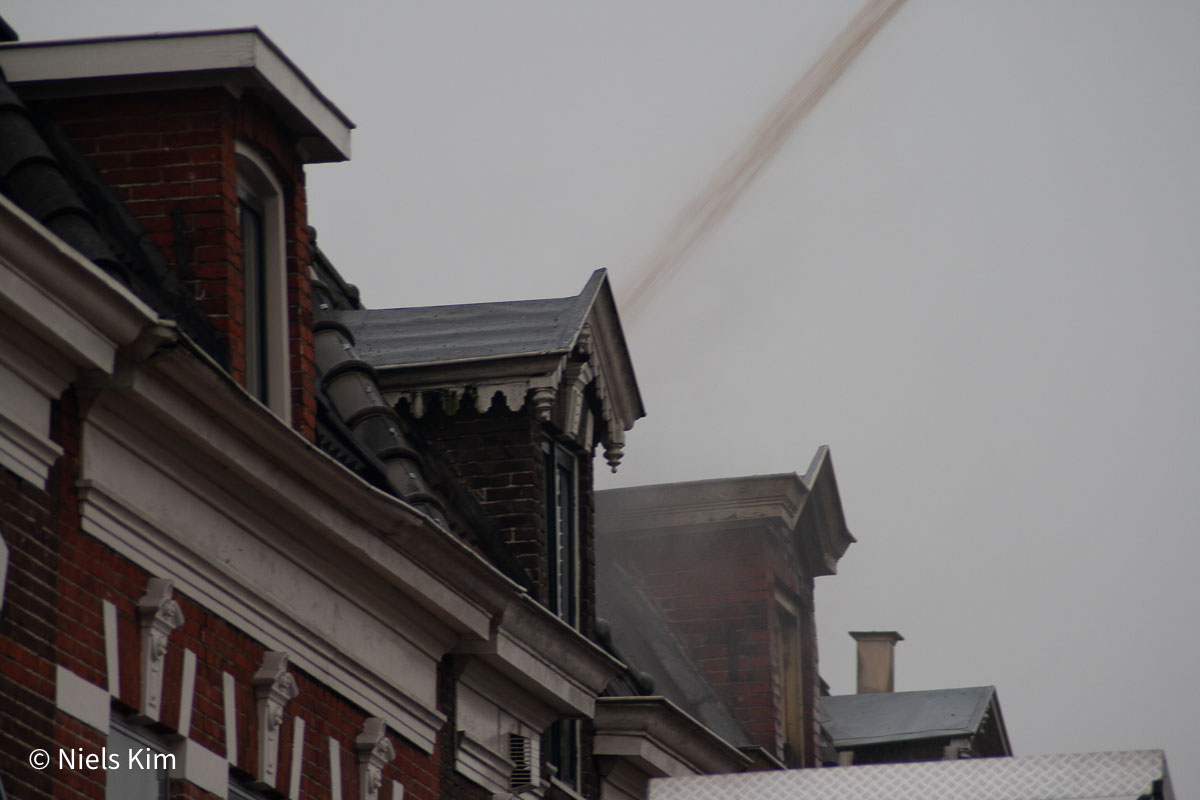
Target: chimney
{"type": "Point", "coordinates": [876, 660]}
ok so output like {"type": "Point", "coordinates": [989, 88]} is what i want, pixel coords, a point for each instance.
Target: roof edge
{"type": "Point", "coordinates": [110, 62]}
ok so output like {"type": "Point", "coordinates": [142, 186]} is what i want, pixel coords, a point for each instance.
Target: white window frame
{"type": "Point", "coordinates": [256, 182]}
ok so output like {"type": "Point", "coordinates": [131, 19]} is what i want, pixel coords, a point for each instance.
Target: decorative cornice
{"type": "Point", "coordinates": [806, 510]}
{"type": "Point", "coordinates": [553, 383]}
{"type": "Point", "coordinates": [547, 658]}
{"type": "Point", "coordinates": [661, 739]}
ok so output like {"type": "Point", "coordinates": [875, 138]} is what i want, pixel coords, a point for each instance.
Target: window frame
{"type": "Point", "coordinates": [562, 533]}
{"type": "Point", "coordinates": [265, 327]}
{"type": "Point", "coordinates": [118, 725]}
{"type": "Point", "coordinates": [794, 683]}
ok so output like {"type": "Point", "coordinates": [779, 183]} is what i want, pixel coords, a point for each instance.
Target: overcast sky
{"type": "Point", "coordinates": [973, 271]}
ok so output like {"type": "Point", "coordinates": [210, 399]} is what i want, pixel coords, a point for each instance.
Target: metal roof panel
{"type": "Point", "coordinates": [861, 719]}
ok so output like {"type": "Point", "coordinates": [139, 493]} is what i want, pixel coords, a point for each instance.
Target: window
{"type": "Point", "coordinates": [795, 683]}
{"type": "Point", "coordinates": [264, 283]}
{"type": "Point", "coordinates": [561, 743]}
{"type": "Point", "coordinates": [562, 751]}
{"type": "Point", "coordinates": [138, 765]}
{"type": "Point", "coordinates": [239, 792]}
{"type": "Point", "coordinates": [254, 269]}
{"type": "Point", "coordinates": [562, 536]}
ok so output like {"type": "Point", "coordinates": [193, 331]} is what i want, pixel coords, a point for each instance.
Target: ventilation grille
{"type": "Point", "coordinates": [520, 752]}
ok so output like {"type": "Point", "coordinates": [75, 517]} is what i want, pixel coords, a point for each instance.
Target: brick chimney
{"type": "Point", "coordinates": [876, 660]}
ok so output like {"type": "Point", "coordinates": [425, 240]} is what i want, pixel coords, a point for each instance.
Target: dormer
{"type": "Point", "coordinates": [205, 136]}
{"type": "Point", "coordinates": [731, 563]}
{"type": "Point", "coordinates": [517, 396]}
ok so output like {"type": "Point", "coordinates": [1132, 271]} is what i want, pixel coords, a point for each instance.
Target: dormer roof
{"type": "Point", "coordinates": [807, 509]}
{"type": "Point", "coordinates": [855, 720]}
{"type": "Point", "coordinates": [546, 352]}
{"type": "Point", "coordinates": [239, 59]}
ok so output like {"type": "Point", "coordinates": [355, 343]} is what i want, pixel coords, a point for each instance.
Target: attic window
{"type": "Point", "coordinates": [264, 283]}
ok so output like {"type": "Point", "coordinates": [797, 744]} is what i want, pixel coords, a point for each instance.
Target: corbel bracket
{"type": "Point", "coordinates": [158, 615]}
{"type": "Point", "coordinates": [274, 686]}
{"type": "Point", "coordinates": [374, 751]}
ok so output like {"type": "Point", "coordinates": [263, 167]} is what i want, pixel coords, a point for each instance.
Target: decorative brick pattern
{"type": "Point", "coordinates": [58, 580]}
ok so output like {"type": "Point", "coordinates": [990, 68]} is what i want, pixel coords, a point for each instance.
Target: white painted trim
{"type": "Point", "coordinates": [112, 648]}
{"type": "Point", "coordinates": [546, 658]}
{"type": "Point", "coordinates": [481, 765]}
{"type": "Point", "coordinates": [158, 615]}
{"type": "Point", "coordinates": [241, 604]}
{"type": "Point", "coordinates": [25, 453]}
{"type": "Point", "coordinates": [212, 58]}
{"type": "Point", "coordinates": [297, 757]}
{"type": "Point", "coordinates": [661, 739]}
{"type": "Point", "coordinates": [374, 751]}
{"type": "Point", "coordinates": [397, 790]}
{"type": "Point", "coordinates": [335, 769]}
{"type": "Point", "coordinates": [62, 298]}
{"type": "Point", "coordinates": [83, 700]}
{"type": "Point", "coordinates": [200, 766]}
{"type": "Point", "coordinates": [256, 178]}
{"type": "Point", "coordinates": [229, 701]}
{"type": "Point", "coordinates": [187, 692]}
{"type": "Point", "coordinates": [274, 687]}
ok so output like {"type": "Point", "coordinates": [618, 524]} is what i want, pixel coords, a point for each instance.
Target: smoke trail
{"type": "Point", "coordinates": [710, 206]}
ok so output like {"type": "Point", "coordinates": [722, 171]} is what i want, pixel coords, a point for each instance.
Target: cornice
{"type": "Point", "coordinates": [67, 301]}
{"type": "Point", "coordinates": [546, 657]}
{"type": "Point", "coordinates": [661, 738]}
{"type": "Point", "coordinates": [236, 59]}
{"type": "Point", "coordinates": [244, 450]}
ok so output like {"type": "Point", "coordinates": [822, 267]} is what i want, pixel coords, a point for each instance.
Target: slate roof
{"type": "Point", "coordinates": [52, 182]}
{"type": "Point", "coordinates": [863, 719]}
{"type": "Point", "coordinates": [404, 337]}
{"type": "Point", "coordinates": [640, 637]}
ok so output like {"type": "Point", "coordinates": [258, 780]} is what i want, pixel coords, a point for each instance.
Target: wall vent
{"type": "Point", "coordinates": [520, 753]}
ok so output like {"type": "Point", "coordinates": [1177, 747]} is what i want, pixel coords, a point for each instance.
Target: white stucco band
{"type": "Point", "coordinates": [202, 767]}
{"type": "Point", "coordinates": [81, 699]}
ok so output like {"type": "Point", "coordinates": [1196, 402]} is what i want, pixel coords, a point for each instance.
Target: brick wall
{"type": "Point", "coordinates": [717, 589]}
{"type": "Point", "coordinates": [59, 578]}
{"type": "Point", "coordinates": [28, 647]}
{"type": "Point", "coordinates": [498, 456]}
{"type": "Point", "coordinates": [171, 156]}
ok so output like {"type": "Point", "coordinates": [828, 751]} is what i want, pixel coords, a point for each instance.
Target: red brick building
{"type": "Point", "coordinates": [728, 566]}
{"type": "Point", "coordinates": [224, 550]}
{"type": "Point", "coordinates": [260, 541]}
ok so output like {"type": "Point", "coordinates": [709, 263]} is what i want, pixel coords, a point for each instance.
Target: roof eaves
{"type": "Point", "coordinates": [215, 56]}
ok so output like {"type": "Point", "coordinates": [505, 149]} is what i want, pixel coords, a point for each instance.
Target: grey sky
{"type": "Point", "coordinates": [973, 272]}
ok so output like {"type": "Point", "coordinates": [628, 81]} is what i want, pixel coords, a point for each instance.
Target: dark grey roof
{"type": "Point", "coordinates": [862, 719]}
{"type": "Point", "coordinates": [51, 181]}
{"type": "Point", "coordinates": [641, 639]}
{"type": "Point", "coordinates": [401, 337]}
